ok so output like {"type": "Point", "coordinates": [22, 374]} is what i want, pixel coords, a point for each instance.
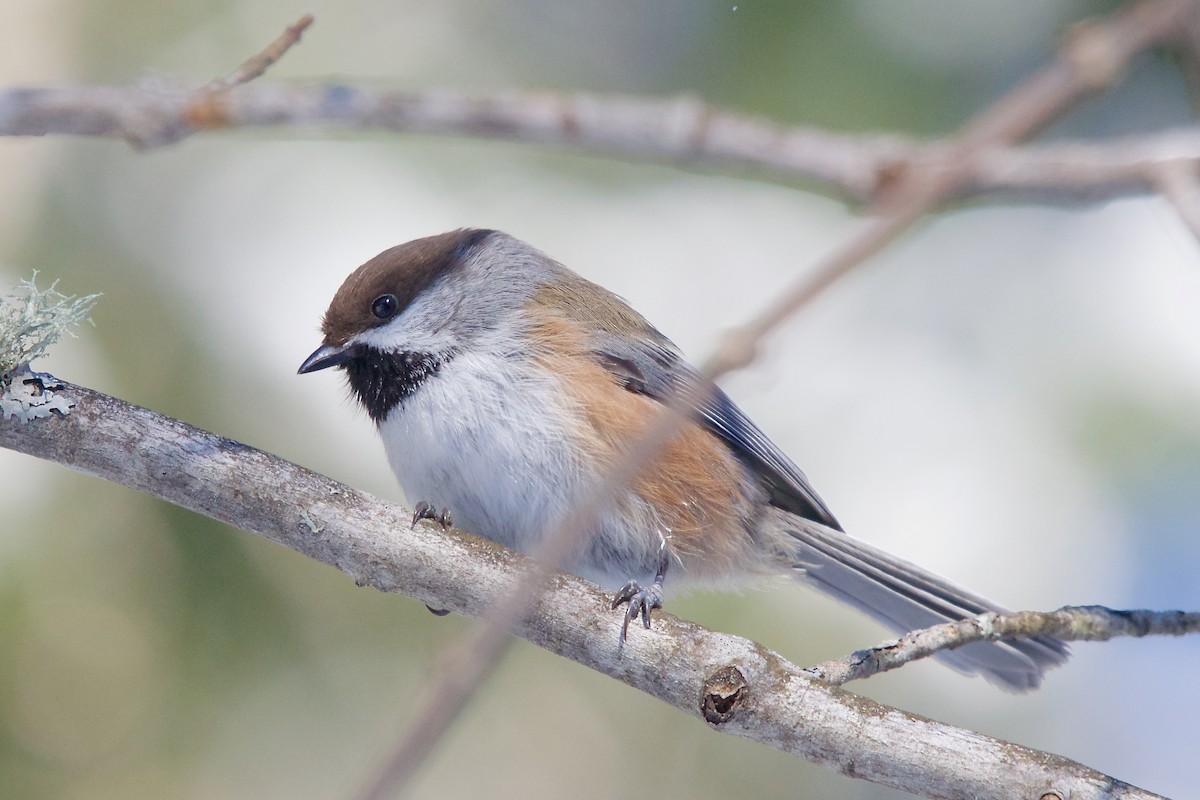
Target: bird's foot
{"type": "Point", "coordinates": [427, 510]}
{"type": "Point", "coordinates": [641, 601]}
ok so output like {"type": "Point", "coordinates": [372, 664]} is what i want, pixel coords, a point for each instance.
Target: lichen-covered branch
{"type": "Point", "coordinates": [737, 686]}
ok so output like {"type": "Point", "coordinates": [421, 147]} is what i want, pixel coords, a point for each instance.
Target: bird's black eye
{"type": "Point", "coordinates": [385, 306]}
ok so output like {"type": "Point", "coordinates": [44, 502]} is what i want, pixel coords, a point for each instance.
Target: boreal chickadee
{"type": "Point", "coordinates": [504, 385]}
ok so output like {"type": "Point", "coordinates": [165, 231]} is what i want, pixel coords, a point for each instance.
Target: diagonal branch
{"type": "Point", "coordinates": [1092, 58]}
{"type": "Point", "coordinates": [1178, 182]}
{"type": "Point", "coordinates": [735, 685]}
{"type": "Point", "coordinates": [260, 62]}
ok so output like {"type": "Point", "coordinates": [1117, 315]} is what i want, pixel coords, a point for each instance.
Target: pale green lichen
{"type": "Point", "coordinates": [32, 319]}
{"type": "Point", "coordinates": [28, 395]}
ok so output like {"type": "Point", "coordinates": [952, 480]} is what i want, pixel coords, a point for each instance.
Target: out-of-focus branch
{"type": "Point", "coordinates": [1071, 623]}
{"type": "Point", "coordinates": [735, 685]}
{"type": "Point", "coordinates": [1092, 58]}
{"type": "Point", "coordinates": [681, 131]}
{"type": "Point", "coordinates": [1179, 182]}
{"type": "Point", "coordinates": [260, 62]}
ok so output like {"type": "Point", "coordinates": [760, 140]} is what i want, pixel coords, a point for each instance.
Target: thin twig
{"type": "Point", "coordinates": [736, 686]}
{"type": "Point", "coordinates": [259, 63]}
{"type": "Point", "coordinates": [1071, 623]}
{"type": "Point", "coordinates": [1095, 53]}
{"type": "Point", "coordinates": [1179, 183]}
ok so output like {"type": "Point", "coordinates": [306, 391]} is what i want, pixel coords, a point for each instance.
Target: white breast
{"type": "Point", "coordinates": [484, 438]}
{"type": "Point", "coordinates": [479, 438]}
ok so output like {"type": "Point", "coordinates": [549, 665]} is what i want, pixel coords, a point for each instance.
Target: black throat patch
{"type": "Point", "coordinates": [382, 381]}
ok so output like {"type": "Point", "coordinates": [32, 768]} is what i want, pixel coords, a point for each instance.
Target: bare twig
{"type": "Point", "coordinates": [259, 63]}
{"type": "Point", "coordinates": [145, 117]}
{"type": "Point", "coordinates": [735, 685]}
{"type": "Point", "coordinates": [1179, 182]}
{"type": "Point", "coordinates": [680, 131]}
{"type": "Point", "coordinates": [1072, 623]}
{"type": "Point", "coordinates": [1093, 56]}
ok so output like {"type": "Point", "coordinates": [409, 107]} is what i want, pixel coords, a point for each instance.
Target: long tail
{"type": "Point", "coordinates": [905, 597]}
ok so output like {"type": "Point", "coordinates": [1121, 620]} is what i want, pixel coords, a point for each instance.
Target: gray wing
{"type": "Point", "coordinates": [651, 366]}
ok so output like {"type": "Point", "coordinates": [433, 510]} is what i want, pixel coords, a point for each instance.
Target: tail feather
{"type": "Point", "coordinates": [905, 597]}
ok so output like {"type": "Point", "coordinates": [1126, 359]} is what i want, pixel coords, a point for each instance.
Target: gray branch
{"type": "Point", "coordinates": [682, 131]}
{"type": "Point", "coordinates": [1071, 623]}
{"type": "Point", "coordinates": [735, 685]}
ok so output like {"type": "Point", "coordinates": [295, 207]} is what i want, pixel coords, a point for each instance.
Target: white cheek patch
{"type": "Point", "coordinates": [447, 317]}
{"type": "Point", "coordinates": [408, 335]}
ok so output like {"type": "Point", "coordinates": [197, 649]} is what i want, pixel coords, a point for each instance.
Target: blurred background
{"type": "Point", "coordinates": [1010, 396]}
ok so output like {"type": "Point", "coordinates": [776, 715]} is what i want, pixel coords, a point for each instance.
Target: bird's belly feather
{"type": "Point", "coordinates": [482, 439]}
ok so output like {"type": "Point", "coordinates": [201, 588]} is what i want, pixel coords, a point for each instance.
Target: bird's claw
{"type": "Point", "coordinates": [644, 600]}
{"type": "Point", "coordinates": [426, 510]}
{"type": "Point", "coordinates": [641, 602]}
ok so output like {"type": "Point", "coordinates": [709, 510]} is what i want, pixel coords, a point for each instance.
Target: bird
{"type": "Point", "coordinates": [503, 385]}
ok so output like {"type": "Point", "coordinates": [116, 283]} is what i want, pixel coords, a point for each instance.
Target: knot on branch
{"type": "Point", "coordinates": [724, 692]}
